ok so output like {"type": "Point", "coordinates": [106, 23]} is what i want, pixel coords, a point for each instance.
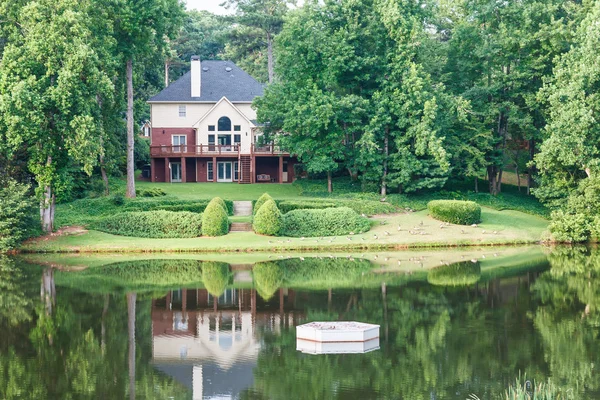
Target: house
{"type": "Point", "coordinates": [204, 130]}
{"type": "Point", "coordinates": [145, 129]}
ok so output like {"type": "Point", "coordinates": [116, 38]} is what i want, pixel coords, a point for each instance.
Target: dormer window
{"type": "Point", "coordinates": [182, 112]}
{"type": "Point", "coordinates": [224, 124]}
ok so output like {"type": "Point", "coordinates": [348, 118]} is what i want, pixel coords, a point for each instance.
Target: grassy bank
{"type": "Point", "coordinates": [396, 231]}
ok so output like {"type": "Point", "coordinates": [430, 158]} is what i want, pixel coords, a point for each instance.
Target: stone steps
{"type": "Point", "coordinates": [242, 208]}
{"type": "Point", "coordinates": [240, 227]}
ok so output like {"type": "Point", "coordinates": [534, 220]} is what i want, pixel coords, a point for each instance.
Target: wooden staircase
{"type": "Point", "coordinates": [240, 227]}
{"type": "Point", "coordinates": [245, 166]}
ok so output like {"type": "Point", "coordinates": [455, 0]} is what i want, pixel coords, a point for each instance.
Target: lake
{"type": "Point", "coordinates": [454, 324]}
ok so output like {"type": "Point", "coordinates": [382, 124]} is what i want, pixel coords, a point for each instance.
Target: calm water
{"type": "Point", "coordinates": [185, 329]}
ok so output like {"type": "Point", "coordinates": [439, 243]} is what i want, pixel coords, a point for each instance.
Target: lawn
{"type": "Point", "coordinates": [389, 232]}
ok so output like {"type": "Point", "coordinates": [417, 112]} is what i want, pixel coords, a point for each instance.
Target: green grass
{"type": "Point", "coordinates": [510, 227]}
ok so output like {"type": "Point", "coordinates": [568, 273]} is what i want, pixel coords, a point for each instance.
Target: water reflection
{"type": "Point", "coordinates": [189, 329]}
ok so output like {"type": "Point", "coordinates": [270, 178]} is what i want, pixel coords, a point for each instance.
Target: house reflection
{"type": "Point", "coordinates": [210, 344]}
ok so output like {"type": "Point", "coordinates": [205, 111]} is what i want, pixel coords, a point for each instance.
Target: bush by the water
{"type": "Point", "coordinates": [455, 211]}
{"type": "Point", "coordinates": [152, 224]}
{"type": "Point", "coordinates": [268, 219]}
{"type": "Point", "coordinates": [216, 276]}
{"type": "Point", "coordinates": [267, 277]}
{"type": "Point", "coordinates": [361, 206]}
{"type": "Point", "coordinates": [261, 200]}
{"type": "Point", "coordinates": [457, 274]}
{"type": "Point", "coordinates": [328, 222]}
{"type": "Point", "coordinates": [17, 214]}
{"type": "Point", "coordinates": [214, 219]}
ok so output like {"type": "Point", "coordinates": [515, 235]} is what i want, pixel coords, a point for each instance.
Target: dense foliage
{"type": "Point", "coordinates": [17, 214]}
{"type": "Point", "coordinates": [459, 274]}
{"type": "Point", "coordinates": [267, 277]}
{"type": "Point", "coordinates": [361, 206]}
{"type": "Point", "coordinates": [455, 211]}
{"type": "Point", "coordinates": [327, 222]}
{"type": "Point", "coordinates": [216, 276]}
{"type": "Point", "coordinates": [214, 219]}
{"type": "Point", "coordinates": [261, 200]}
{"type": "Point", "coordinates": [268, 219]}
{"type": "Point", "coordinates": [152, 224]}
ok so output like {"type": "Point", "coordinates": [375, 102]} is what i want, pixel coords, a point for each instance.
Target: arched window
{"type": "Point", "coordinates": [224, 124]}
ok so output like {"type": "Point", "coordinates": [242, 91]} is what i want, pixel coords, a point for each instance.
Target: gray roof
{"type": "Point", "coordinates": [216, 82]}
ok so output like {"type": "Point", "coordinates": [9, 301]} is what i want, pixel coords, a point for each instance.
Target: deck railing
{"type": "Point", "coordinates": [193, 150]}
{"type": "Point", "coordinates": [268, 149]}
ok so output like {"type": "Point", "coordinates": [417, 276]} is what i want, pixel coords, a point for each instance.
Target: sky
{"type": "Point", "coordinates": [210, 5]}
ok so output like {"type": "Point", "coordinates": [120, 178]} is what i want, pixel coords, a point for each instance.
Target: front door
{"type": "Point", "coordinates": [175, 171]}
{"type": "Point", "coordinates": [224, 172]}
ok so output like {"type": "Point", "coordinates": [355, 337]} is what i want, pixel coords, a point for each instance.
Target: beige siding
{"type": "Point", "coordinates": [167, 115]}
{"type": "Point", "coordinates": [225, 109]}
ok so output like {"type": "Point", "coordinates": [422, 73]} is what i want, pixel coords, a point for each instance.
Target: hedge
{"type": "Point", "coordinates": [150, 192]}
{"type": "Point", "coordinates": [267, 220]}
{"type": "Point", "coordinates": [328, 222]}
{"type": "Point", "coordinates": [214, 219]}
{"type": "Point", "coordinates": [455, 211]}
{"type": "Point", "coordinates": [152, 224]}
{"type": "Point", "coordinates": [367, 207]}
{"type": "Point", "coordinates": [261, 200]}
{"type": "Point", "coordinates": [457, 274]}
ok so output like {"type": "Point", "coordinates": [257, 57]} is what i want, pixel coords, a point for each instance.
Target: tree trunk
{"type": "Point", "coordinates": [588, 172]}
{"type": "Point", "coordinates": [518, 177]}
{"type": "Point", "coordinates": [476, 185]}
{"type": "Point", "coordinates": [131, 297]}
{"type": "Point", "coordinates": [166, 73]}
{"type": "Point", "coordinates": [47, 205]}
{"type": "Point", "coordinates": [385, 162]}
{"type": "Point", "coordinates": [329, 182]}
{"type": "Point", "coordinates": [48, 290]}
{"type": "Point", "coordinates": [270, 66]}
{"type": "Point", "coordinates": [103, 324]}
{"type": "Point", "coordinates": [130, 139]}
{"type": "Point", "coordinates": [532, 169]}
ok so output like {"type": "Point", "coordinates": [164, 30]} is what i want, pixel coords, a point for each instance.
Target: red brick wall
{"type": "Point", "coordinates": [190, 170]}
{"type": "Point", "coordinates": [201, 167]}
{"type": "Point", "coordinates": [159, 169]}
{"type": "Point", "coordinates": [165, 139]}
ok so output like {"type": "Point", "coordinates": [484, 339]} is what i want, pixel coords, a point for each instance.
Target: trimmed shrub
{"type": "Point", "coordinates": [267, 277]}
{"type": "Point", "coordinates": [152, 224]}
{"type": "Point", "coordinates": [214, 219]}
{"type": "Point", "coordinates": [17, 214]}
{"type": "Point", "coordinates": [221, 202]}
{"type": "Point", "coordinates": [457, 274]}
{"type": "Point", "coordinates": [314, 272]}
{"type": "Point", "coordinates": [216, 276]}
{"type": "Point", "coordinates": [455, 211]}
{"type": "Point", "coordinates": [367, 207]}
{"type": "Point", "coordinates": [151, 192]}
{"type": "Point", "coordinates": [267, 220]}
{"type": "Point", "coordinates": [291, 205]}
{"type": "Point", "coordinates": [261, 200]}
{"type": "Point", "coordinates": [328, 222]}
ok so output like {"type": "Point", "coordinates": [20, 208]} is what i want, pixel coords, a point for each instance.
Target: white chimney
{"type": "Point", "coordinates": [196, 77]}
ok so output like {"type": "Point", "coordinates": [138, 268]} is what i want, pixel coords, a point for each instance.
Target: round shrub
{"type": "Point", "coordinates": [267, 220]}
{"type": "Point", "coordinates": [457, 274]}
{"type": "Point", "coordinates": [214, 219]}
{"type": "Point", "coordinates": [215, 276]}
{"type": "Point", "coordinates": [152, 224]}
{"type": "Point", "coordinates": [261, 200]}
{"type": "Point", "coordinates": [571, 228]}
{"type": "Point", "coordinates": [268, 277]}
{"type": "Point", "coordinates": [328, 222]}
{"type": "Point", "coordinates": [455, 211]}
{"type": "Point", "coordinates": [221, 202]}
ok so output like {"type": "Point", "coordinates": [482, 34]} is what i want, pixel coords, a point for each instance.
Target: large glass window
{"type": "Point", "coordinates": [179, 142]}
{"type": "Point", "coordinates": [209, 171]}
{"type": "Point", "coordinates": [237, 139]}
{"type": "Point", "coordinates": [236, 172]}
{"type": "Point", "coordinates": [224, 124]}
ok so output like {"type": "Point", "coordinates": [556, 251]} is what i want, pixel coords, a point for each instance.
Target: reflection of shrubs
{"type": "Point", "coordinates": [17, 214]}
{"type": "Point", "coordinates": [455, 211]}
{"type": "Point", "coordinates": [267, 220]}
{"type": "Point", "coordinates": [215, 276]}
{"type": "Point", "coordinates": [261, 200]}
{"type": "Point", "coordinates": [152, 224]}
{"type": "Point", "coordinates": [268, 277]}
{"type": "Point", "coordinates": [323, 273]}
{"type": "Point", "coordinates": [214, 219]}
{"type": "Point", "coordinates": [328, 222]}
{"type": "Point", "coordinates": [458, 274]}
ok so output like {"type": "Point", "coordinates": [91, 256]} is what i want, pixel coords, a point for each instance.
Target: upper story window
{"type": "Point", "coordinates": [237, 128]}
{"type": "Point", "coordinates": [211, 128]}
{"type": "Point", "coordinates": [182, 111]}
{"type": "Point", "coordinates": [146, 131]}
{"type": "Point", "coordinates": [224, 124]}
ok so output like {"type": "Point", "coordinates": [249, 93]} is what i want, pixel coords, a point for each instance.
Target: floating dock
{"type": "Point", "coordinates": [339, 337]}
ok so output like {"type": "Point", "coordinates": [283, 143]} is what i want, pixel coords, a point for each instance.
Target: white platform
{"type": "Point", "coordinates": [312, 347]}
{"type": "Point", "coordinates": [336, 332]}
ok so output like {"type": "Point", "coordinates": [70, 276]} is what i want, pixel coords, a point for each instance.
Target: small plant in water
{"type": "Point", "coordinates": [524, 389]}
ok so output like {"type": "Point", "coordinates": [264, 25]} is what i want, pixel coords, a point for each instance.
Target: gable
{"type": "Point", "coordinates": [224, 107]}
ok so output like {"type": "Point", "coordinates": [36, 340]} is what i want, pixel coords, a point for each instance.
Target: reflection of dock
{"type": "Point", "coordinates": [196, 335]}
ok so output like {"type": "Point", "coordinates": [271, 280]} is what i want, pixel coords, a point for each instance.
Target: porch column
{"type": "Point", "coordinates": [183, 170]}
{"type": "Point", "coordinates": [215, 172]}
{"type": "Point", "coordinates": [280, 169]}
{"type": "Point", "coordinates": [253, 170]}
{"type": "Point", "coordinates": [153, 170]}
{"type": "Point", "coordinates": [167, 171]}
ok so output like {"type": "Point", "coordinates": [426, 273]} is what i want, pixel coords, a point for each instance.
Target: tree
{"type": "Point", "coordinates": [141, 26]}
{"type": "Point", "coordinates": [266, 15]}
{"type": "Point", "coordinates": [50, 83]}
